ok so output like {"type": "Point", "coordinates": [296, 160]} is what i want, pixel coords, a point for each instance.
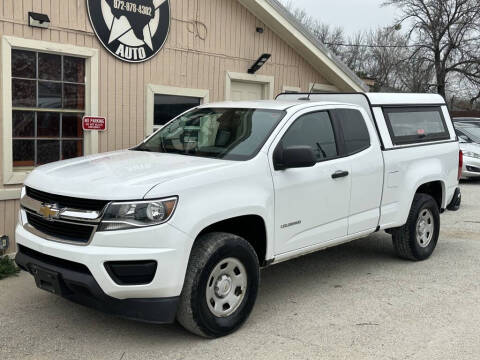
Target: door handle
{"type": "Point", "coordinates": [340, 174]}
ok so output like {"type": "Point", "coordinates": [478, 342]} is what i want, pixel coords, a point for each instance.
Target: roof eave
{"type": "Point", "coordinates": [275, 16]}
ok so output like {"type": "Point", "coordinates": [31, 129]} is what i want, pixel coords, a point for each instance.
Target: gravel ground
{"type": "Point", "coordinates": [357, 301]}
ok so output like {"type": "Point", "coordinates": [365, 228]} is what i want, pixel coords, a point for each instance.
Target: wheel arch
{"type": "Point", "coordinates": [435, 189]}
{"type": "Point", "coordinates": [251, 227]}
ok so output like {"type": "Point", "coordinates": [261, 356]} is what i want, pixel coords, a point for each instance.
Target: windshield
{"type": "Point", "coordinates": [230, 134]}
{"type": "Point", "coordinates": [472, 132]}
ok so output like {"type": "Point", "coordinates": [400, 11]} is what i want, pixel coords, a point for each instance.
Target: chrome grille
{"type": "Point", "coordinates": [75, 233]}
{"type": "Point", "coordinates": [61, 218]}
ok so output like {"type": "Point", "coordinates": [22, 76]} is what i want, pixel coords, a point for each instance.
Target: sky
{"type": "Point", "coordinates": [352, 15]}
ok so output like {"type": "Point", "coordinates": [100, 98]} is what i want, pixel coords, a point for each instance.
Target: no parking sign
{"type": "Point", "coordinates": [94, 123]}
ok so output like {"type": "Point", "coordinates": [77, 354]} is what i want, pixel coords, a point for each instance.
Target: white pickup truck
{"type": "Point", "coordinates": [179, 226]}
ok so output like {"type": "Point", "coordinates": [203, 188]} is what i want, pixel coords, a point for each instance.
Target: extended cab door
{"type": "Point", "coordinates": [361, 147]}
{"type": "Point", "coordinates": [311, 204]}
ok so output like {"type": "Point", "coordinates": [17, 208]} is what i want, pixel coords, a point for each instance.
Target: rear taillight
{"type": "Point", "coordinates": [460, 164]}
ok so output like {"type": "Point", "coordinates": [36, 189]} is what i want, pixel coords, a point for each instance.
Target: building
{"type": "Point", "coordinates": [137, 63]}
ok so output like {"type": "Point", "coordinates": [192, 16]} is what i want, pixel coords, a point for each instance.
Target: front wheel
{"type": "Point", "coordinates": [220, 286]}
{"type": "Point", "coordinates": [417, 239]}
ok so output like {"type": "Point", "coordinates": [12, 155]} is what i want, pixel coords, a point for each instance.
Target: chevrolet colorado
{"type": "Point", "coordinates": [179, 226]}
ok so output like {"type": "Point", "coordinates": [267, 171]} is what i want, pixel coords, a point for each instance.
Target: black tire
{"type": "Point", "coordinates": [207, 253]}
{"type": "Point", "coordinates": [404, 238]}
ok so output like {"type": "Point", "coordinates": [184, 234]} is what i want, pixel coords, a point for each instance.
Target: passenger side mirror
{"type": "Point", "coordinates": [293, 157]}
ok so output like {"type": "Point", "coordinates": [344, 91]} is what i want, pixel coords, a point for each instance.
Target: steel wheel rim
{"type": "Point", "coordinates": [226, 287]}
{"type": "Point", "coordinates": [425, 228]}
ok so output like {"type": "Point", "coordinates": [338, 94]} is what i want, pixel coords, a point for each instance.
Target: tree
{"type": "Point", "coordinates": [323, 32]}
{"type": "Point", "coordinates": [381, 54]}
{"type": "Point", "coordinates": [446, 37]}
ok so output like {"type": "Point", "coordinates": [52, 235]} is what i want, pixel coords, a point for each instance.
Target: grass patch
{"type": "Point", "coordinates": [7, 267]}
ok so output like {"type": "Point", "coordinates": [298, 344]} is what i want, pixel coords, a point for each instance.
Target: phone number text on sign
{"type": "Point", "coordinates": [94, 123]}
{"type": "Point", "coordinates": [132, 7]}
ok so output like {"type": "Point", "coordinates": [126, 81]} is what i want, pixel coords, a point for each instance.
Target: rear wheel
{"type": "Point", "coordinates": [417, 239]}
{"type": "Point", "coordinates": [220, 286]}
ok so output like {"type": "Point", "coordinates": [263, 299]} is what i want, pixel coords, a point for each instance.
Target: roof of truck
{"type": "Point", "coordinates": [292, 99]}
{"type": "Point", "coordinates": [266, 104]}
{"type": "Point", "coordinates": [375, 99]}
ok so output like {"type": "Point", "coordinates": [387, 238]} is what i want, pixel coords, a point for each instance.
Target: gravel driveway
{"type": "Point", "coordinates": [357, 301]}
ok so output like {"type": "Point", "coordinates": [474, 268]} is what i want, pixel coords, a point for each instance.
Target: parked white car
{"type": "Point", "coordinates": [469, 137]}
{"type": "Point", "coordinates": [179, 226]}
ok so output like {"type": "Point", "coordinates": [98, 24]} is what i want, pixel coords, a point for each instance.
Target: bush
{"type": "Point", "coordinates": [7, 267]}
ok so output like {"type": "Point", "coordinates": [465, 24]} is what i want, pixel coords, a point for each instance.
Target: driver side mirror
{"type": "Point", "coordinates": [293, 157]}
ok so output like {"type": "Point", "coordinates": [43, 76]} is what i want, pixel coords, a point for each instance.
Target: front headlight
{"type": "Point", "coordinates": [137, 214]}
{"type": "Point", "coordinates": [471, 154]}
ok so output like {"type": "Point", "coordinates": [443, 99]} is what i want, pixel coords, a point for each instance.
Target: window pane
{"type": "Point", "coordinates": [410, 125]}
{"type": "Point", "coordinates": [48, 151]}
{"type": "Point", "coordinates": [74, 96]}
{"type": "Point", "coordinates": [23, 124]}
{"type": "Point", "coordinates": [73, 69]}
{"type": "Point", "coordinates": [355, 132]}
{"type": "Point", "coordinates": [471, 131]}
{"type": "Point", "coordinates": [49, 67]}
{"type": "Point", "coordinates": [24, 93]}
{"type": "Point", "coordinates": [168, 107]}
{"type": "Point", "coordinates": [72, 126]}
{"type": "Point", "coordinates": [48, 124]}
{"type": "Point", "coordinates": [314, 130]}
{"type": "Point", "coordinates": [23, 153]}
{"type": "Point", "coordinates": [24, 64]}
{"type": "Point", "coordinates": [49, 95]}
{"type": "Point", "coordinates": [72, 149]}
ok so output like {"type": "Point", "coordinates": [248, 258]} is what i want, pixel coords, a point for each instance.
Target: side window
{"type": "Point", "coordinates": [410, 125]}
{"type": "Point", "coordinates": [354, 130]}
{"type": "Point", "coordinates": [314, 130]}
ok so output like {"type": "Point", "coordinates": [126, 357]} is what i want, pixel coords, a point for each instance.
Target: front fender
{"type": "Point", "coordinates": [245, 188]}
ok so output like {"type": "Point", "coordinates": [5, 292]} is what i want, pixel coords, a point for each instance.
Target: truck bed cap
{"type": "Point", "coordinates": [404, 99]}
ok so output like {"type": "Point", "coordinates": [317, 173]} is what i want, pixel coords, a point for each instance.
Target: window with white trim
{"type": "Point", "coordinates": [165, 103]}
{"type": "Point", "coordinates": [48, 103]}
{"type": "Point", "coordinates": [168, 107]}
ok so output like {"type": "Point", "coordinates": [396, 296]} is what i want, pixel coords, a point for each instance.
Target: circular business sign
{"type": "Point", "coordinates": [132, 30]}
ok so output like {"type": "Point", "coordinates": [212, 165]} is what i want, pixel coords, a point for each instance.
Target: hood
{"type": "Point", "coordinates": [120, 175]}
{"type": "Point", "coordinates": [472, 147]}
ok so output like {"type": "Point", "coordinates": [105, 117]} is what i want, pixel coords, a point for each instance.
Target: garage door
{"type": "Point", "coordinates": [242, 91]}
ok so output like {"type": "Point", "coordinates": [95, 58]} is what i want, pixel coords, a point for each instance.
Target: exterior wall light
{"type": "Point", "coordinates": [38, 20]}
{"type": "Point", "coordinates": [259, 63]}
{"type": "Point", "coordinates": [4, 243]}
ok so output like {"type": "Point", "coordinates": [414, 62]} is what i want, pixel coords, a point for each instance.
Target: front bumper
{"type": "Point", "coordinates": [471, 168]}
{"type": "Point", "coordinates": [164, 244]}
{"type": "Point", "coordinates": [76, 283]}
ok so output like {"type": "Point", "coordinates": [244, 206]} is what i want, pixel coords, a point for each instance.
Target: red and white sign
{"type": "Point", "coordinates": [94, 123]}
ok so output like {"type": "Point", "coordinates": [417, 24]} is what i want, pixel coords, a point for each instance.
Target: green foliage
{"type": "Point", "coordinates": [7, 267]}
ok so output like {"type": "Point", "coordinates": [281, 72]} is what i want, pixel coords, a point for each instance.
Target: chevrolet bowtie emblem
{"type": "Point", "coordinates": [49, 211]}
